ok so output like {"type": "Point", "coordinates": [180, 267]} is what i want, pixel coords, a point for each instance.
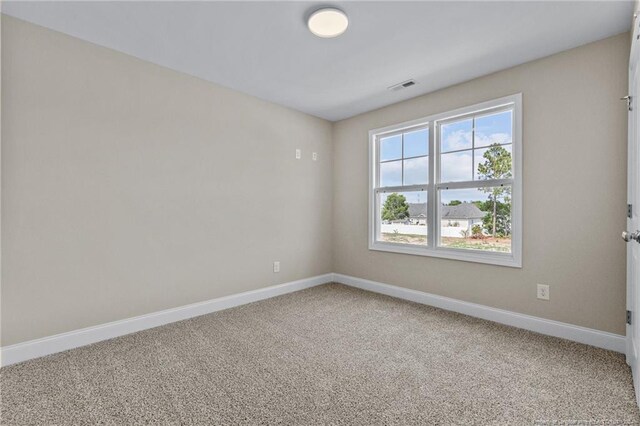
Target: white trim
{"type": "Point", "coordinates": [86, 336]}
{"type": "Point", "coordinates": [61, 342]}
{"type": "Point", "coordinates": [465, 255]}
{"type": "Point", "coordinates": [513, 259]}
{"type": "Point", "coordinates": [588, 336]}
{"type": "Point", "coordinates": [632, 190]}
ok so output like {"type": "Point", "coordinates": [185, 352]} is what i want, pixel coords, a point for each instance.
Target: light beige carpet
{"type": "Point", "coordinates": [327, 355]}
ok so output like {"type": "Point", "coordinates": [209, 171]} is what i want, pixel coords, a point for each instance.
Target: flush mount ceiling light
{"type": "Point", "coordinates": [328, 22]}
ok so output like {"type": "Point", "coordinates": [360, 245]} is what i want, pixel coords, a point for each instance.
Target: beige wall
{"type": "Point", "coordinates": [129, 188]}
{"type": "Point", "coordinates": [574, 152]}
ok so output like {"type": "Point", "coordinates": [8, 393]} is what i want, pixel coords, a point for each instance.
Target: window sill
{"type": "Point", "coordinates": [498, 259]}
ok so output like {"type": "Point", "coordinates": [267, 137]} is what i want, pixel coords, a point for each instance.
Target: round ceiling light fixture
{"type": "Point", "coordinates": [328, 22]}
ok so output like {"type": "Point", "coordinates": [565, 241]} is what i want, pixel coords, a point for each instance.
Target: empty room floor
{"type": "Point", "coordinates": [327, 355]}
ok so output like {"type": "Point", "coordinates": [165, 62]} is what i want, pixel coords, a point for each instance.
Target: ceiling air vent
{"type": "Point", "coordinates": [402, 85]}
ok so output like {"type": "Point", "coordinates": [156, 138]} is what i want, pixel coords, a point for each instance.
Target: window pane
{"type": "Point", "coordinates": [467, 219]}
{"type": "Point", "coordinates": [391, 148]}
{"type": "Point", "coordinates": [403, 217]}
{"type": "Point", "coordinates": [416, 171]}
{"type": "Point", "coordinates": [493, 129]}
{"type": "Point", "coordinates": [456, 136]}
{"type": "Point", "coordinates": [416, 143]}
{"type": "Point", "coordinates": [391, 173]}
{"type": "Point", "coordinates": [492, 163]}
{"type": "Point", "coordinates": [456, 166]}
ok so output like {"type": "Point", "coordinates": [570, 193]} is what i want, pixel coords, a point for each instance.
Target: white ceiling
{"type": "Point", "coordinates": [264, 48]}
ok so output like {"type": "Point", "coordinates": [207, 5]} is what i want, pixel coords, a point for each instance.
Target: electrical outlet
{"type": "Point", "coordinates": [543, 292]}
{"type": "Point", "coordinates": [298, 154]}
{"type": "Point", "coordinates": [276, 266]}
{"type": "Point", "coordinates": [314, 156]}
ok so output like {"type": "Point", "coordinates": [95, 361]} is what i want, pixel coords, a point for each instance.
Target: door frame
{"type": "Point", "coordinates": [633, 183]}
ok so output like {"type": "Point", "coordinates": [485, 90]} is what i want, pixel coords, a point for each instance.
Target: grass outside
{"type": "Point", "coordinates": [397, 237]}
{"type": "Point", "coordinates": [488, 244]}
{"type": "Point", "coordinates": [502, 245]}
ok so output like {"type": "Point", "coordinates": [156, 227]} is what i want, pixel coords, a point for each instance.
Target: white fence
{"type": "Point", "coordinates": [445, 231]}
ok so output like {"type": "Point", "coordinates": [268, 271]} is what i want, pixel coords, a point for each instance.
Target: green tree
{"type": "Point", "coordinates": [395, 207]}
{"type": "Point", "coordinates": [497, 165]}
{"type": "Point", "coordinates": [455, 203]}
{"type": "Point", "coordinates": [503, 218]}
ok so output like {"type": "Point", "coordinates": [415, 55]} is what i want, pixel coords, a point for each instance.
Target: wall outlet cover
{"type": "Point", "coordinates": [543, 292]}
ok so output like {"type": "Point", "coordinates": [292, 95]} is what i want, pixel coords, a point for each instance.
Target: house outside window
{"type": "Point", "coordinates": [450, 185]}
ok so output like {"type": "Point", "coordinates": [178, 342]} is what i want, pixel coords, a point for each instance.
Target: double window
{"type": "Point", "coordinates": [449, 185]}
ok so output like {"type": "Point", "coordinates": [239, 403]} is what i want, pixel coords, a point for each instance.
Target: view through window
{"type": "Point", "coordinates": [448, 184]}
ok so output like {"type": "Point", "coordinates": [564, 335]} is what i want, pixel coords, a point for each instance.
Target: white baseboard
{"type": "Point", "coordinates": [73, 339]}
{"type": "Point", "coordinates": [600, 339]}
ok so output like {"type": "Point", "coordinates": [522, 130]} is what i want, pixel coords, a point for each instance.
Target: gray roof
{"type": "Point", "coordinates": [461, 211]}
{"type": "Point", "coordinates": [417, 210]}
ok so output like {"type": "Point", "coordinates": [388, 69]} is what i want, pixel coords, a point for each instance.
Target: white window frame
{"type": "Point", "coordinates": [513, 259]}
